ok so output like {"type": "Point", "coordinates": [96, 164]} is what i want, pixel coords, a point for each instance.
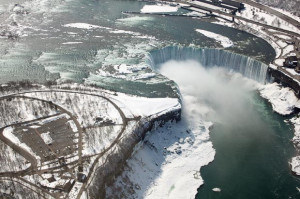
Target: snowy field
{"type": "Point", "coordinates": [258, 15]}
{"type": "Point", "coordinates": [81, 106]}
{"type": "Point", "coordinates": [10, 160]}
{"type": "Point", "coordinates": [21, 109]}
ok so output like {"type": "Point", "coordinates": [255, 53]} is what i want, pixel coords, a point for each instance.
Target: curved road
{"type": "Point", "coordinates": [272, 11]}
{"type": "Point", "coordinates": [32, 159]}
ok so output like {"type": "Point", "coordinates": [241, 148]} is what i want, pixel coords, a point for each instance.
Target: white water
{"type": "Point", "coordinates": [208, 58]}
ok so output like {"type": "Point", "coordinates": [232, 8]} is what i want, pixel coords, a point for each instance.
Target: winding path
{"type": "Point", "coordinates": [33, 168]}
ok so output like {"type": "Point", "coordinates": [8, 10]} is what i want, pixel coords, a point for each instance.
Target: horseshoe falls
{"type": "Point", "coordinates": [211, 57]}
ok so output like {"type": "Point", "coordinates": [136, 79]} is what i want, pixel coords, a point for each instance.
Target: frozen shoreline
{"type": "Point", "coordinates": [170, 158]}
{"type": "Point", "coordinates": [284, 101]}
{"type": "Point", "coordinates": [163, 165]}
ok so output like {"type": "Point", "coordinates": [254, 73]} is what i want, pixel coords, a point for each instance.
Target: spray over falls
{"type": "Point", "coordinates": [209, 57]}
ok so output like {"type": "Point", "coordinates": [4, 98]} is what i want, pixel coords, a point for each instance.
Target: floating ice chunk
{"type": "Point", "coordinates": [84, 26]}
{"type": "Point", "coordinates": [195, 14]}
{"type": "Point", "coordinates": [75, 42]}
{"type": "Point", "coordinates": [124, 32]}
{"type": "Point", "coordinates": [123, 69]}
{"type": "Point", "coordinates": [225, 41]}
{"type": "Point", "coordinates": [216, 189]}
{"type": "Point", "coordinates": [135, 20]}
{"type": "Point", "coordinates": [158, 8]}
{"type": "Point", "coordinates": [144, 76]}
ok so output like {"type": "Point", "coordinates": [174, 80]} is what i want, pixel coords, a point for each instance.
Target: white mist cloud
{"type": "Point", "coordinates": [210, 93]}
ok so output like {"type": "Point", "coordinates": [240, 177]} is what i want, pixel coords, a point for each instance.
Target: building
{"type": "Point", "coordinates": [81, 177]}
{"type": "Point", "coordinates": [235, 4]}
{"type": "Point", "coordinates": [291, 62]}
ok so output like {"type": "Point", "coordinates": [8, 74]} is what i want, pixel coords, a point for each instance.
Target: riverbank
{"type": "Point", "coordinates": [283, 100]}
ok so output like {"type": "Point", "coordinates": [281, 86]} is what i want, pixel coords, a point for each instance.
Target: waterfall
{"type": "Point", "coordinates": [210, 57]}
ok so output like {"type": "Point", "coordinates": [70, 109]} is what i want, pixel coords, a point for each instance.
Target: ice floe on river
{"type": "Point", "coordinates": [158, 9]}
{"type": "Point", "coordinates": [84, 26]}
{"type": "Point", "coordinates": [224, 41]}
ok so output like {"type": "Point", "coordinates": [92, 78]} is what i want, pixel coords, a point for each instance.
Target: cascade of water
{"type": "Point", "coordinates": [209, 57]}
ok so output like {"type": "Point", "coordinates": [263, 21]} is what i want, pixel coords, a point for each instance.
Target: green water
{"type": "Point", "coordinates": [252, 154]}
{"type": "Point", "coordinates": [42, 54]}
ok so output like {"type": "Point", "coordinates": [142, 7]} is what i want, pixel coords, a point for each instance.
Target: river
{"type": "Point", "coordinates": [93, 42]}
{"type": "Point", "coordinates": [252, 155]}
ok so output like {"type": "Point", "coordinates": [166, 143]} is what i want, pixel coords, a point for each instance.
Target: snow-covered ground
{"type": "Point", "coordinates": [47, 138]}
{"type": "Point", "coordinates": [8, 133]}
{"type": "Point", "coordinates": [224, 41]}
{"type": "Point", "coordinates": [208, 5]}
{"type": "Point", "coordinates": [80, 105]}
{"type": "Point", "coordinates": [292, 71]}
{"type": "Point", "coordinates": [283, 99]}
{"type": "Point", "coordinates": [295, 161]}
{"type": "Point", "coordinates": [11, 160]}
{"type": "Point", "coordinates": [21, 110]}
{"type": "Point", "coordinates": [279, 62]}
{"type": "Point", "coordinates": [288, 14]}
{"type": "Point", "coordinates": [168, 164]}
{"type": "Point", "coordinates": [145, 107]}
{"type": "Point", "coordinates": [259, 15]}
{"type": "Point", "coordinates": [276, 40]}
{"type": "Point", "coordinates": [295, 164]}
{"type": "Point", "coordinates": [101, 118]}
